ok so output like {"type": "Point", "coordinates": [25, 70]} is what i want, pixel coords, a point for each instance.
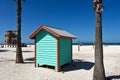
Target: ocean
{"type": "Point", "coordinates": [94, 44]}
{"type": "Point", "coordinates": [85, 43]}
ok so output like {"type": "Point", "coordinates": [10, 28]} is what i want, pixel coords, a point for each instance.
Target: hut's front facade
{"type": "Point", "coordinates": [52, 47]}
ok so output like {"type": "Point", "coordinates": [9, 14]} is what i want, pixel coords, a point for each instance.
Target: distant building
{"type": "Point", "coordinates": [52, 47]}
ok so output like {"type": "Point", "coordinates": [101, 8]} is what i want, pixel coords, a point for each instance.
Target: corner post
{"type": "Point", "coordinates": [71, 51]}
{"type": "Point", "coordinates": [35, 53]}
{"type": "Point", "coordinates": [58, 55]}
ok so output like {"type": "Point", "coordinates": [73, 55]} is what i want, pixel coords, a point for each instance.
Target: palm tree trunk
{"type": "Point", "coordinates": [99, 72]}
{"type": "Point", "coordinates": [19, 57]}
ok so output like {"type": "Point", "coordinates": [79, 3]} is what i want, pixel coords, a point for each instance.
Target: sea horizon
{"type": "Point", "coordinates": [88, 43]}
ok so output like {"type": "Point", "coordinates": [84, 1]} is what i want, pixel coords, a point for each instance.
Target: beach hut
{"type": "Point", "coordinates": [53, 47]}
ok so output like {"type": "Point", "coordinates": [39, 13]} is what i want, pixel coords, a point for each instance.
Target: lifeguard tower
{"type": "Point", "coordinates": [11, 38]}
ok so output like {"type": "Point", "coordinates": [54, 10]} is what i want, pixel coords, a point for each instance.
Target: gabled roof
{"type": "Point", "coordinates": [56, 32]}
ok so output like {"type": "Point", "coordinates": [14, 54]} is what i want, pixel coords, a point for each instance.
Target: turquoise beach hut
{"type": "Point", "coordinates": [53, 47]}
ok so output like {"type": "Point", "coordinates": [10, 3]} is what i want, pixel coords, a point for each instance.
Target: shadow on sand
{"type": "Point", "coordinates": [29, 62]}
{"type": "Point", "coordinates": [6, 60]}
{"type": "Point", "coordinates": [27, 51]}
{"type": "Point", "coordinates": [30, 59]}
{"type": "Point", "coordinates": [113, 77]}
{"type": "Point", "coordinates": [4, 50]}
{"type": "Point", "coordinates": [26, 61]}
{"type": "Point", "coordinates": [77, 65]}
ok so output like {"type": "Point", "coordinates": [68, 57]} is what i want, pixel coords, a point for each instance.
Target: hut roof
{"type": "Point", "coordinates": [59, 33]}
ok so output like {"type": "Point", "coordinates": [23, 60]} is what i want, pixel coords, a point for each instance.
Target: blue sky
{"type": "Point", "coordinates": [74, 16]}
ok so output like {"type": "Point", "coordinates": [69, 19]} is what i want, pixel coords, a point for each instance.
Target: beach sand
{"type": "Point", "coordinates": [80, 69]}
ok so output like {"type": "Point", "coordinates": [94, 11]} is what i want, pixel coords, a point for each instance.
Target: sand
{"type": "Point", "coordinates": [81, 69]}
